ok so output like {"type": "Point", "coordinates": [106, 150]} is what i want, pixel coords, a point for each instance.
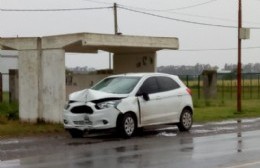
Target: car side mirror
{"type": "Point", "coordinates": [146, 96]}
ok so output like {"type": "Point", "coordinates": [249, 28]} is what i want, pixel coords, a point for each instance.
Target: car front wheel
{"type": "Point", "coordinates": [127, 125]}
{"type": "Point", "coordinates": [185, 120]}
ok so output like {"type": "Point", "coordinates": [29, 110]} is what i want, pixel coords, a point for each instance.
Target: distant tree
{"type": "Point", "coordinates": [186, 70]}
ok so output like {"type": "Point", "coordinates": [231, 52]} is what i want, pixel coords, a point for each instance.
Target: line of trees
{"type": "Point", "coordinates": [186, 70]}
{"type": "Point", "coordinates": [196, 69]}
{"type": "Point", "coordinates": [247, 68]}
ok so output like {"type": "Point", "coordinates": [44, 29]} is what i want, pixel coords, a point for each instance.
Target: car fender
{"type": "Point", "coordinates": [129, 104]}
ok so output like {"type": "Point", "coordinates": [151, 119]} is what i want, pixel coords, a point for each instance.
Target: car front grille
{"type": "Point", "coordinates": [79, 122]}
{"type": "Point", "coordinates": [81, 110]}
{"type": "Point", "coordinates": [82, 122]}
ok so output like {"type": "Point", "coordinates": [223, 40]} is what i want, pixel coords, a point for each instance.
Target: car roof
{"type": "Point", "coordinates": [143, 74]}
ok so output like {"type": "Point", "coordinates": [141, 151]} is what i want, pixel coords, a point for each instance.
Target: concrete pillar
{"type": "Point", "coordinates": [209, 84]}
{"type": "Point", "coordinates": [28, 63]}
{"type": "Point", "coordinates": [141, 62]}
{"type": "Point", "coordinates": [52, 87]}
{"type": "Point", "coordinates": [13, 85]}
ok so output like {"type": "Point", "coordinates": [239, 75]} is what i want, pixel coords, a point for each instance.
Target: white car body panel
{"type": "Point", "coordinates": [162, 108]}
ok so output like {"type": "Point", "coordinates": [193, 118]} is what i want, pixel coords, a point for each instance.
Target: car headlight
{"type": "Point", "coordinates": [108, 104]}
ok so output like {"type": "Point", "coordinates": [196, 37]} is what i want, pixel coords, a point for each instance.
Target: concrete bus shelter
{"type": "Point", "coordinates": [41, 64]}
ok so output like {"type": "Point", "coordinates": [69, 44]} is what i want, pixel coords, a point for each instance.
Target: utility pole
{"type": "Point", "coordinates": [115, 18]}
{"type": "Point", "coordinates": [115, 29]}
{"type": "Point", "coordinates": [239, 56]}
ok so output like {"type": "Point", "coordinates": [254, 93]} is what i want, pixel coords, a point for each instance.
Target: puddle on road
{"type": "Point", "coordinates": [167, 134]}
{"type": "Point", "coordinates": [10, 163]}
{"type": "Point", "coordinates": [201, 131]}
{"type": "Point", "coordinates": [167, 128]}
{"type": "Point", "coordinates": [15, 141]}
{"type": "Point", "coordinates": [225, 128]}
{"type": "Point", "coordinates": [235, 121]}
{"type": "Point", "coordinates": [8, 142]}
{"type": "Point", "coordinates": [197, 126]}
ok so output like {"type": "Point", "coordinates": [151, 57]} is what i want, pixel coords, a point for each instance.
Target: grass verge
{"type": "Point", "coordinates": [14, 128]}
{"type": "Point", "coordinates": [11, 127]}
{"type": "Point", "coordinates": [219, 110]}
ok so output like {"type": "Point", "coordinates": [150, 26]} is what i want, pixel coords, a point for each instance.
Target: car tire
{"type": "Point", "coordinates": [76, 133]}
{"type": "Point", "coordinates": [185, 120]}
{"type": "Point", "coordinates": [127, 125]}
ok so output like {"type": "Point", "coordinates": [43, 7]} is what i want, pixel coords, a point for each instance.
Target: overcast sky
{"type": "Point", "coordinates": [191, 36]}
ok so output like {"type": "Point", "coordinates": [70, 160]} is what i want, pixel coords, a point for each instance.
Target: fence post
{"type": "Point", "coordinates": [1, 88]}
{"type": "Point", "coordinates": [231, 87]}
{"type": "Point", "coordinates": [198, 86]}
{"type": "Point", "coordinates": [243, 86]}
{"type": "Point", "coordinates": [222, 89]}
{"type": "Point", "coordinates": [258, 83]}
{"type": "Point", "coordinates": [187, 80]}
{"type": "Point", "coordinates": [251, 85]}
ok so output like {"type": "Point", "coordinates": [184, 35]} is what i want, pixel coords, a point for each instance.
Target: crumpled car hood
{"type": "Point", "coordinates": [87, 95]}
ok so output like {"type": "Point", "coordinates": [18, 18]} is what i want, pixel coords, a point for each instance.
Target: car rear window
{"type": "Point", "coordinates": [158, 84]}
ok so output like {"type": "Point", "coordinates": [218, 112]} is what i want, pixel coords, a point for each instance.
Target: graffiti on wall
{"type": "Point", "coordinates": [144, 61]}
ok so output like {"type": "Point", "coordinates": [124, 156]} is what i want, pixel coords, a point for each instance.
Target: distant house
{"type": "Point", "coordinates": [8, 60]}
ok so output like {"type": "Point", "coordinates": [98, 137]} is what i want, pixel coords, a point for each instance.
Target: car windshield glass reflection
{"type": "Point", "coordinates": [117, 85]}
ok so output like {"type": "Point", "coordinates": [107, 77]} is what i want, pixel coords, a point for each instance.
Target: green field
{"type": "Point", "coordinates": [218, 110]}
{"type": "Point", "coordinates": [227, 89]}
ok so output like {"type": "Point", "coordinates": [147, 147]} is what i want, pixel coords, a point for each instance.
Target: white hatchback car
{"type": "Point", "coordinates": [130, 101]}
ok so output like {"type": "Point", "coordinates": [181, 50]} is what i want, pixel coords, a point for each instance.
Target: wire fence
{"type": "Point", "coordinates": [226, 85]}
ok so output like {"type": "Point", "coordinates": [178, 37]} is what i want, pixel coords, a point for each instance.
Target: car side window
{"type": "Point", "coordinates": [149, 86]}
{"type": "Point", "coordinates": [166, 83]}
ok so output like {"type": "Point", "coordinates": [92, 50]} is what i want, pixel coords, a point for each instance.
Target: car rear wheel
{"type": "Point", "coordinates": [185, 120]}
{"type": "Point", "coordinates": [127, 125]}
{"type": "Point", "coordinates": [76, 133]}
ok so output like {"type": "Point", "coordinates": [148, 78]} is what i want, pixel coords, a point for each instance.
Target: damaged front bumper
{"type": "Point", "coordinates": [86, 117]}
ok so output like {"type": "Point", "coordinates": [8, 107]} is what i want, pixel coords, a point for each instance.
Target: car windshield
{"type": "Point", "coordinates": [117, 85]}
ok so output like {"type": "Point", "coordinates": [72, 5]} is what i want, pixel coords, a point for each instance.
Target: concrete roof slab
{"type": "Point", "coordinates": [92, 42]}
{"type": "Point", "coordinates": [25, 43]}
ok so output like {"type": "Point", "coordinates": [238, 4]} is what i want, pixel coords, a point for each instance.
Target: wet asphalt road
{"type": "Point", "coordinates": [225, 145]}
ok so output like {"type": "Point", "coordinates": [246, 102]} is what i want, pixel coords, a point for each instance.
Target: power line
{"type": "Point", "coordinates": [210, 17]}
{"type": "Point", "coordinates": [219, 49]}
{"type": "Point", "coordinates": [99, 2]}
{"type": "Point", "coordinates": [157, 10]}
{"type": "Point", "coordinates": [173, 9]}
{"type": "Point", "coordinates": [182, 20]}
{"type": "Point", "coordinates": [175, 19]}
{"type": "Point", "coordinates": [52, 10]}
{"type": "Point", "coordinates": [178, 13]}
{"type": "Point", "coordinates": [191, 6]}
{"type": "Point", "coordinates": [122, 7]}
